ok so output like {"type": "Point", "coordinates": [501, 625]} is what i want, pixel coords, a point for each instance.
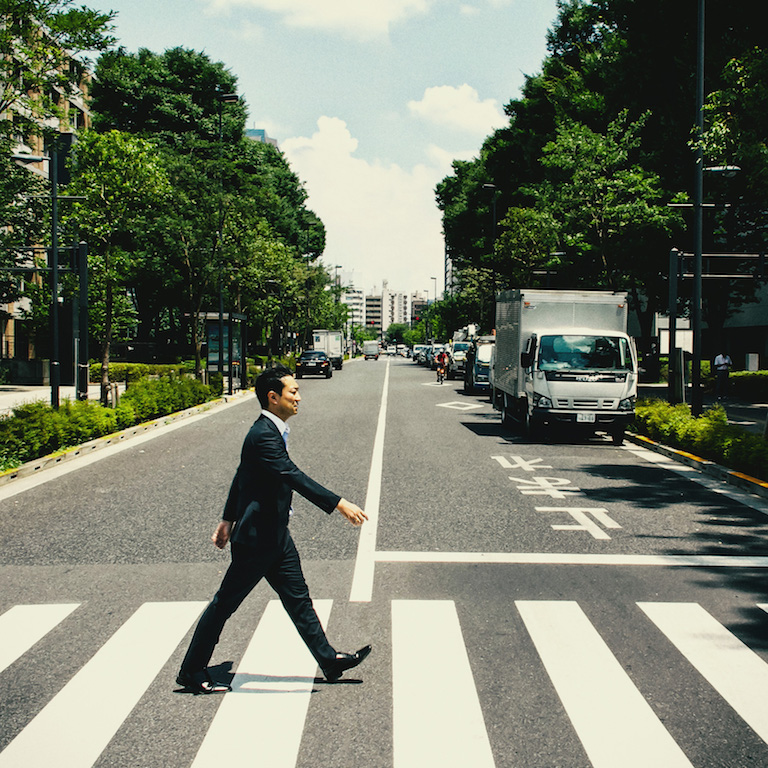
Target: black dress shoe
{"type": "Point", "coordinates": [201, 682]}
{"type": "Point", "coordinates": [343, 662]}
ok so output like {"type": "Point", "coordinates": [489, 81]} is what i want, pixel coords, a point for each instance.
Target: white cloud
{"type": "Point", "coordinates": [356, 18]}
{"type": "Point", "coordinates": [249, 32]}
{"type": "Point", "coordinates": [459, 108]}
{"type": "Point", "coordinates": [381, 220]}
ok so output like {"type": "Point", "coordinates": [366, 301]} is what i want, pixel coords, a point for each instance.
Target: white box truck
{"type": "Point", "coordinates": [332, 343]}
{"type": "Point", "coordinates": [371, 350]}
{"type": "Point", "coordinates": [564, 358]}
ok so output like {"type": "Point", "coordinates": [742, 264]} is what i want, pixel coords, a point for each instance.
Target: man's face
{"type": "Point", "coordinates": [286, 404]}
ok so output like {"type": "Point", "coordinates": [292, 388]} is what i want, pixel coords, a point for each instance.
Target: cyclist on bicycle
{"type": "Point", "coordinates": [442, 365]}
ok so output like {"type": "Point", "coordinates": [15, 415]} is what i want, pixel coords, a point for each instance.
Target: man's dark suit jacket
{"type": "Point", "coordinates": [259, 499]}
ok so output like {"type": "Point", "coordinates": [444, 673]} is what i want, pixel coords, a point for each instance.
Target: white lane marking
{"type": "Point", "coordinates": [262, 720]}
{"type": "Point", "coordinates": [459, 406]}
{"type": "Point", "coordinates": [362, 580]}
{"type": "Point", "coordinates": [23, 484]}
{"type": "Point", "coordinates": [564, 558]}
{"type": "Point", "coordinates": [583, 521]}
{"type": "Point", "coordinates": [77, 724]}
{"type": "Point", "coordinates": [527, 465]}
{"type": "Point", "coordinates": [23, 625]}
{"type": "Point", "coordinates": [697, 476]}
{"type": "Point", "coordinates": [738, 674]}
{"type": "Point", "coordinates": [616, 725]}
{"type": "Point", "coordinates": [437, 718]}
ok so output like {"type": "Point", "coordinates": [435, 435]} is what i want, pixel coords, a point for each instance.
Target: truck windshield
{"type": "Point", "coordinates": [608, 353]}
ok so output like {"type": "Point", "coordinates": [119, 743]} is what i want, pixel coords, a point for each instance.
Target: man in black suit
{"type": "Point", "coordinates": [256, 521]}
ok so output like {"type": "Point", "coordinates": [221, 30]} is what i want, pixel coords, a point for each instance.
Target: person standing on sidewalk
{"type": "Point", "coordinates": [256, 521]}
{"type": "Point", "coordinates": [723, 367]}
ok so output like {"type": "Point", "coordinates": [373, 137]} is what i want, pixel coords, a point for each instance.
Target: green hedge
{"type": "Point", "coordinates": [35, 429]}
{"type": "Point", "coordinates": [709, 436]}
{"type": "Point", "coordinates": [128, 372]}
{"type": "Point", "coordinates": [749, 385]}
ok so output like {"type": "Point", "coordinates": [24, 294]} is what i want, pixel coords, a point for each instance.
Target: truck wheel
{"type": "Point", "coordinates": [507, 419]}
{"type": "Point", "coordinates": [617, 436]}
{"type": "Point", "coordinates": [530, 429]}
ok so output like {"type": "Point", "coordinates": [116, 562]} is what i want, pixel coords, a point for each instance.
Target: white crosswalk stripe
{"type": "Point", "coordinates": [23, 625]}
{"type": "Point", "coordinates": [616, 725]}
{"type": "Point", "coordinates": [437, 716]}
{"type": "Point", "coordinates": [738, 674]}
{"type": "Point", "coordinates": [269, 699]}
{"type": "Point", "coordinates": [78, 723]}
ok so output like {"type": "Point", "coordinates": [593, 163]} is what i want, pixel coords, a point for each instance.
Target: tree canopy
{"type": "Point", "coordinates": [575, 189]}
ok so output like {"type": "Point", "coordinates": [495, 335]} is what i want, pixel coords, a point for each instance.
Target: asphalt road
{"type": "Point", "coordinates": [563, 604]}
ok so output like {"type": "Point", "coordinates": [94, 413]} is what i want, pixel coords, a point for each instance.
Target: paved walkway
{"type": "Point", "coordinates": [749, 416]}
{"type": "Point", "coordinates": [12, 395]}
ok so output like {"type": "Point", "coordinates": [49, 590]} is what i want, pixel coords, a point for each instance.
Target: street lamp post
{"type": "Point", "coordinates": [698, 219]}
{"type": "Point", "coordinates": [221, 99]}
{"type": "Point", "coordinates": [434, 301]}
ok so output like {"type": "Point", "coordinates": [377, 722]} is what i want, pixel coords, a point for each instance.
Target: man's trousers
{"type": "Point", "coordinates": [282, 570]}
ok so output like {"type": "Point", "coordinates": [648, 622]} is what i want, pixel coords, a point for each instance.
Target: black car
{"type": "Point", "coordinates": [314, 362]}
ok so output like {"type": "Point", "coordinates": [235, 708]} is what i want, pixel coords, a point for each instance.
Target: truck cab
{"type": "Point", "coordinates": [563, 357]}
{"type": "Point", "coordinates": [581, 377]}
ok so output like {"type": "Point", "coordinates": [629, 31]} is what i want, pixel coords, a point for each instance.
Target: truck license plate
{"type": "Point", "coordinates": [586, 417]}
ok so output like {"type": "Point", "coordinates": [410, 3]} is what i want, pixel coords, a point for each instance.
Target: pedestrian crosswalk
{"type": "Point", "coordinates": [439, 717]}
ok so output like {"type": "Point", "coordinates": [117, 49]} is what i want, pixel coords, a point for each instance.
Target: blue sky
{"type": "Point", "coordinates": [370, 100]}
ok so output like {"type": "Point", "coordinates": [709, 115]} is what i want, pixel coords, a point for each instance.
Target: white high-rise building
{"type": "Point", "coordinates": [354, 298]}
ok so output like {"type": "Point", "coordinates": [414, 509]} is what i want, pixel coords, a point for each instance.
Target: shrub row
{"type": "Point", "coordinates": [128, 372]}
{"type": "Point", "coordinates": [751, 386]}
{"type": "Point", "coordinates": [35, 429]}
{"type": "Point", "coordinates": [709, 436]}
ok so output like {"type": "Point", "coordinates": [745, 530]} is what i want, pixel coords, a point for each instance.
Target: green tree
{"type": "Point", "coordinates": [606, 205]}
{"type": "Point", "coordinates": [22, 220]}
{"type": "Point", "coordinates": [39, 44]}
{"type": "Point", "coordinates": [607, 58]}
{"type": "Point", "coordinates": [239, 212]}
{"type": "Point", "coordinates": [123, 182]}
{"type": "Point", "coordinates": [395, 334]}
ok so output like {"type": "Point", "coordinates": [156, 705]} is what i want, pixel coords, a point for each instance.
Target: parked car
{"type": "Point", "coordinates": [476, 375]}
{"type": "Point", "coordinates": [458, 355]}
{"type": "Point", "coordinates": [313, 362]}
{"type": "Point", "coordinates": [418, 353]}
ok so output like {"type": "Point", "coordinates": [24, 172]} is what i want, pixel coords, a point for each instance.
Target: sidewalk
{"type": "Point", "coordinates": [748, 416]}
{"type": "Point", "coordinates": [12, 395]}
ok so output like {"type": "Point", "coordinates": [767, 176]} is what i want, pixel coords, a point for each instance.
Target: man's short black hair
{"type": "Point", "coordinates": [270, 380]}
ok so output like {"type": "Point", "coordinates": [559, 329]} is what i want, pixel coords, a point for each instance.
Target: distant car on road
{"type": "Point", "coordinates": [477, 372]}
{"type": "Point", "coordinates": [313, 362]}
{"type": "Point", "coordinates": [418, 353]}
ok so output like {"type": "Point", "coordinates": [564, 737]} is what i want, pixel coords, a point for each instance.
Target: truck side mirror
{"type": "Point", "coordinates": [525, 359]}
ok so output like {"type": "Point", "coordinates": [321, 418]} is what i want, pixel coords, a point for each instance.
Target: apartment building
{"type": "Point", "coordinates": [29, 151]}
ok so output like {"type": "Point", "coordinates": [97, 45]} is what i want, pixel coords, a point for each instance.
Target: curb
{"type": "Point", "coordinates": [67, 454]}
{"type": "Point", "coordinates": [730, 476]}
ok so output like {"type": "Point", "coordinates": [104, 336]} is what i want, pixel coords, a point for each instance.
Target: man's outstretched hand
{"type": "Point", "coordinates": [352, 512]}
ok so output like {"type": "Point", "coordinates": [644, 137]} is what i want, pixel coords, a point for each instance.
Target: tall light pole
{"type": "Point", "coordinates": [434, 301]}
{"type": "Point", "coordinates": [698, 218]}
{"type": "Point", "coordinates": [221, 99]}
